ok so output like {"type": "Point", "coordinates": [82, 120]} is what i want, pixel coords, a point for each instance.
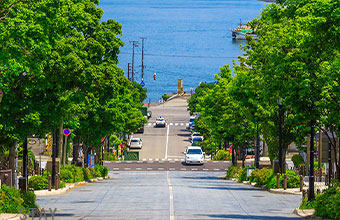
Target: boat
{"type": "Point", "coordinates": [242, 31]}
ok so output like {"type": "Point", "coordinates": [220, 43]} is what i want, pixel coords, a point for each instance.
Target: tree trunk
{"type": "Point", "coordinates": [284, 152]}
{"type": "Point", "coordinates": [60, 142]}
{"type": "Point", "coordinates": [12, 160]}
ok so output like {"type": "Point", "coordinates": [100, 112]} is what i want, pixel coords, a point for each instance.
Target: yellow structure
{"type": "Point", "coordinates": [180, 90]}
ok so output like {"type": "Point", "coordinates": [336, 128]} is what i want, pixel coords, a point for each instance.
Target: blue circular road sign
{"type": "Point", "coordinates": [142, 84]}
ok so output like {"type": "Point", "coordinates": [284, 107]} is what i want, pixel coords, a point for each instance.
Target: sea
{"type": "Point", "coordinates": [184, 39]}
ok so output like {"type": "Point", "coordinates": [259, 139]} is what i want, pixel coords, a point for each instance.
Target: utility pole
{"type": "Point", "coordinates": [54, 155]}
{"type": "Point", "coordinates": [134, 44]}
{"type": "Point", "coordinates": [129, 64]}
{"type": "Point", "coordinates": [143, 38]}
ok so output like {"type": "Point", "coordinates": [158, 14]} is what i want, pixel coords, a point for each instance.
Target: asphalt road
{"type": "Point", "coordinates": [170, 195]}
{"type": "Point", "coordinates": [167, 165]}
{"type": "Point", "coordinates": [171, 141]}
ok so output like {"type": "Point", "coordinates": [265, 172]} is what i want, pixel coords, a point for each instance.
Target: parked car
{"type": "Point", "coordinates": [160, 122]}
{"type": "Point", "coordinates": [196, 139]}
{"type": "Point", "coordinates": [140, 129]}
{"type": "Point", "coordinates": [136, 143]}
{"type": "Point", "coordinates": [195, 134]}
{"type": "Point", "coordinates": [191, 121]}
{"type": "Point", "coordinates": [194, 155]}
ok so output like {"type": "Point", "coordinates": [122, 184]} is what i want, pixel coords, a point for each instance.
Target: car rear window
{"type": "Point", "coordinates": [194, 151]}
{"type": "Point", "coordinates": [134, 140]}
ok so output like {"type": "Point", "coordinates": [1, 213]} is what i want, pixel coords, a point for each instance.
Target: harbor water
{"type": "Point", "coordinates": [187, 39]}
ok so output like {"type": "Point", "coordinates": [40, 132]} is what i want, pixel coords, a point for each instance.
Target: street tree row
{"type": "Point", "coordinates": [58, 68]}
{"type": "Point", "coordinates": [296, 62]}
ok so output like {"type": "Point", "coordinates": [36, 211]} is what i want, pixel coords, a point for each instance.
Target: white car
{"type": "Point", "coordinates": [194, 155]}
{"type": "Point", "coordinates": [136, 143]}
{"type": "Point", "coordinates": [160, 122]}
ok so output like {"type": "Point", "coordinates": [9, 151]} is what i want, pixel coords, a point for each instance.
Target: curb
{"type": "Point", "coordinates": [45, 192]}
{"type": "Point", "coordinates": [307, 214]}
{"type": "Point", "coordinates": [286, 192]}
{"type": "Point", "coordinates": [11, 216]}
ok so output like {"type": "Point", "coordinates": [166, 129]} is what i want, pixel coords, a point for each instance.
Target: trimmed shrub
{"type": "Point", "coordinates": [298, 160]}
{"type": "Point", "coordinates": [66, 175]}
{"type": "Point", "coordinates": [305, 204]}
{"type": "Point", "coordinates": [29, 199]}
{"type": "Point", "coordinates": [104, 171]}
{"type": "Point", "coordinates": [293, 180]}
{"type": "Point", "coordinates": [242, 175]}
{"type": "Point", "coordinates": [328, 203]}
{"type": "Point", "coordinates": [87, 174]}
{"type": "Point", "coordinates": [222, 155]}
{"type": "Point", "coordinates": [10, 200]}
{"type": "Point", "coordinates": [261, 177]}
{"type": "Point", "coordinates": [38, 182]}
{"type": "Point", "coordinates": [231, 172]}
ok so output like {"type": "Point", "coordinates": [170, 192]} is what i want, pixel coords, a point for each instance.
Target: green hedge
{"type": "Point", "coordinates": [222, 155]}
{"type": "Point", "coordinates": [38, 182]}
{"type": "Point", "coordinates": [242, 175]}
{"type": "Point", "coordinates": [328, 203]}
{"type": "Point", "coordinates": [293, 180]}
{"type": "Point", "coordinates": [73, 174]}
{"type": "Point", "coordinates": [231, 172]}
{"type": "Point", "coordinates": [11, 200]}
{"type": "Point", "coordinates": [261, 176]}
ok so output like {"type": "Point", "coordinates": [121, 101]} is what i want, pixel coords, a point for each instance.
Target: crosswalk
{"type": "Point", "coordinates": [171, 124]}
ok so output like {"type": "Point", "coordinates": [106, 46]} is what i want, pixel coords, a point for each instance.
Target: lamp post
{"type": "Point", "coordinates": [311, 195]}
{"type": "Point", "coordinates": [279, 102]}
{"type": "Point", "coordinates": [257, 158]}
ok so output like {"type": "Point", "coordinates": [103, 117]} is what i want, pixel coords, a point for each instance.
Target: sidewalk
{"type": "Point", "coordinates": [11, 216]}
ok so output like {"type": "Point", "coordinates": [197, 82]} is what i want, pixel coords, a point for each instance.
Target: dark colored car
{"type": "Point", "coordinates": [140, 129]}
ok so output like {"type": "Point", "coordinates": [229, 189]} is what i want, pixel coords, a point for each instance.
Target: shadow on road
{"type": "Point", "coordinates": [238, 216]}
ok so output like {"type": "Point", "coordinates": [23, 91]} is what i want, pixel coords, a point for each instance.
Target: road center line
{"type": "Point", "coordinates": [167, 142]}
{"type": "Point", "coordinates": [171, 194]}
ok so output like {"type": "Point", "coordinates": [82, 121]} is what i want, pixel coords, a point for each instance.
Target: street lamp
{"type": "Point", "coordinates": [257, 158]}
{"type": "Point", "coordinates": [311, 195]}
{"type": "Point", "coordinates": [279, 103]}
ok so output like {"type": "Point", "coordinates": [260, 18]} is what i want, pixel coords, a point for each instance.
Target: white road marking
{"type": "Point", "coordinates": [138, 168]}
{"type": "Point", "coordinates": [215, 161]}
{"type": "Point", "coordinates": [149, 168]}
{"type": "Point", "coordinates": [139, 161]}
{"type": "Point", "coordinates": [183, 169]}
{"type": "Point", "coordinates": [167, 142]}
{"type": "Point", "coordinates": [160, 168]}
{"type": "Point", "coordinates": [161, 161]}
{"type": "Point", "coordinates": [176, 124]}
{"type": "Point", "coordinates": [186, 124]}
{"type": "Point", "coordinates": [171, 123]}
{"type": "Point", "coordinates": [194, 169]}
{"type": "Point", "coordinates": [128, 161]}
{"type": "Point", "coordinates": [181, 124]}
{"type": "Point", "coordinates": [172, 169]}
{"type": "Point", "coordinates": [176, 159]}
{"type": "Point", "coordinates": [149, 124]}
{"type": "Point", "coordinates": [205, 169]}
{"type": "Point", "coordinates": [156, 159]}
{"type": "Point", "coordinates": [118, 161]}
{"type": "Point", "coordinates": [144, 159]}
{"type": "Point", "coordinates": [216, 169]}
{"type": "Point", "coordinates": [115, 168]}
{"type": "Point", "coordinates": [172, 162]}
{"type": "Point", "coordinates": [150, 161]}
{"type": "Point", "coordinates": [127, 168]}
{"type": "Point", "coordinates": [171, 195]}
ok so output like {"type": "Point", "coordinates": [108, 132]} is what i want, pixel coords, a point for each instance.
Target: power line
{"type": "Point", "coordinates": [181, 56]}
